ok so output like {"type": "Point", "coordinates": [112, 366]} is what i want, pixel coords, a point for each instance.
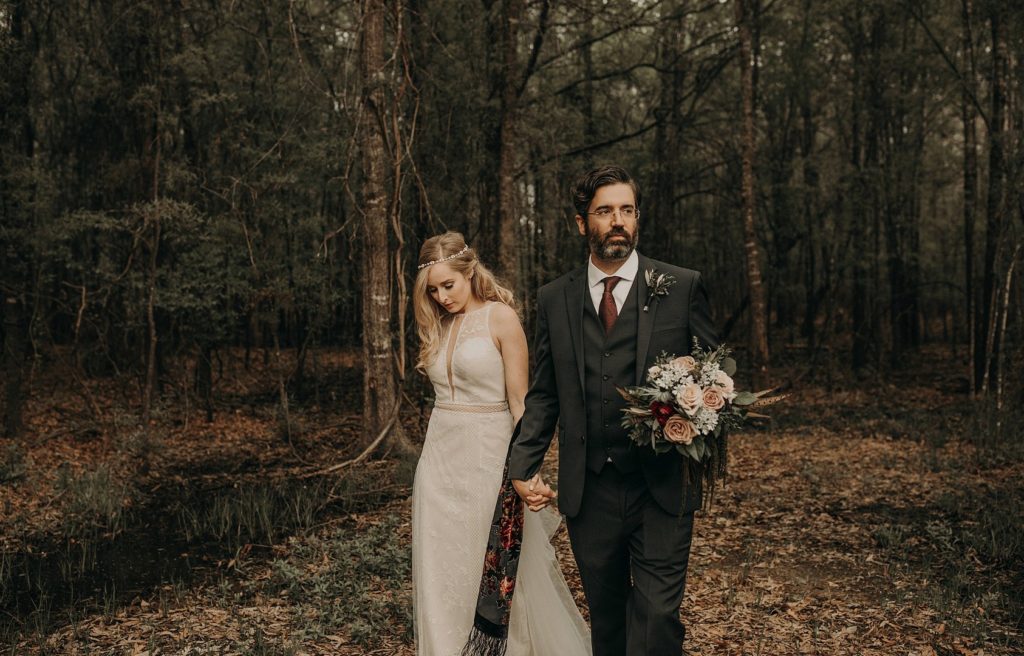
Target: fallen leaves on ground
{"type": "Point", "coordinates": [836, 534]}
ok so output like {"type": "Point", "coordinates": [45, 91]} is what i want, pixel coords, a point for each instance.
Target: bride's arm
{"type": "Point", "coordinates": [510, 339]}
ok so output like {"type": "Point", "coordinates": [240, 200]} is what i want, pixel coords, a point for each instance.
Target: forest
{"type": "Point", "coordinates": [210, 218]}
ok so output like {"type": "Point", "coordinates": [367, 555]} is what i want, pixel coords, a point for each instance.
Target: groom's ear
{"type": "Point", "coordinates": [581, 225]}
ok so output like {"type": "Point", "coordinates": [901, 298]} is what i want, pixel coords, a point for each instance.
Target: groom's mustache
{"type": "Point", "coordinates": [616, 232]}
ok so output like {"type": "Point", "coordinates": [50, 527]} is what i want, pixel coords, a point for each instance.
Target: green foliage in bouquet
{"type": "Point", "coordinates": [689, 404]}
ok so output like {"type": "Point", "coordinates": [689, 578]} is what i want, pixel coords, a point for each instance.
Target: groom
{"type": "Point", "coordinates": [629, 515]}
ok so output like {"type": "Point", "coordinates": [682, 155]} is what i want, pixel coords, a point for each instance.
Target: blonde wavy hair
{"type": "Point", "coordinates": [483, 284]}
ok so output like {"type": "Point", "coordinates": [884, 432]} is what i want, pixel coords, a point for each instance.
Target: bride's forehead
{"type": "Point", "coordinates": [437, 274]}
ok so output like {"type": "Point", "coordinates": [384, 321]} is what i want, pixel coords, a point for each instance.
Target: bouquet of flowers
{"type": "Point", "coordinates": [688, 404]}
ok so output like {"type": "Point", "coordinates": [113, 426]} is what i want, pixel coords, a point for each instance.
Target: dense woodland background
{"type": "Point", "coordinates": [180, 178]}
{"type": "Point", "coordinates": [185, 185]}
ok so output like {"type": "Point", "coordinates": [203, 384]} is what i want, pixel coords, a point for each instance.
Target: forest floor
{"type": "Point", "coordinates": [869, 518]}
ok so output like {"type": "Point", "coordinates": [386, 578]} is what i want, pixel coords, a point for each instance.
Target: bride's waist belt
{"type": "Point", "coordinates": [472, 407]}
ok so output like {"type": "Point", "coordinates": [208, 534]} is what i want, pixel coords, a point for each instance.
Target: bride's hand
{"type": "Point", "coordinates": [535, 492]}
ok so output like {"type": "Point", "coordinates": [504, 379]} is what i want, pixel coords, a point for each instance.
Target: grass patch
{"type": "Point", "coordinates": [12, 462]}
{"type": "Point", "coordinates": [252, 514]}
{"type": "Point", "coordinates": [95, 502]}
{"type": "Point", "coordinates": [354, 580]}
{"type": "Point", "coordinates": [971, 551]}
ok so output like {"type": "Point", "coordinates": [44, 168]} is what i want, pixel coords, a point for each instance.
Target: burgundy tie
{"type": "Point", "coordinates": [608, 313]}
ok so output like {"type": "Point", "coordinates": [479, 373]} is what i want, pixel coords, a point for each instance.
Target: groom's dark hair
{"type": "Point", "coordinates": [588, 184]}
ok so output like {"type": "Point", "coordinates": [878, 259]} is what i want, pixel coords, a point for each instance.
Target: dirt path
{"type": "Point", "coordinates": [836, 540]}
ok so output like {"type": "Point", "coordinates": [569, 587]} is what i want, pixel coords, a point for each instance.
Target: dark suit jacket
{"type": "Point", "coordinates": [556, 391]}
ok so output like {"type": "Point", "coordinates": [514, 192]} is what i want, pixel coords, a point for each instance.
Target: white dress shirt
{"type": "Point", "coordinates": [595, 281]}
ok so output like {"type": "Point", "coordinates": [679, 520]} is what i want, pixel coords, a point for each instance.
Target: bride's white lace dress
{"type": "Point", "coordinates": [457, 481]}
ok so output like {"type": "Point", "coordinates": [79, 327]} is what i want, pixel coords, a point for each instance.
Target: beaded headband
{"type": "Point", "coordinates": [444, 259]}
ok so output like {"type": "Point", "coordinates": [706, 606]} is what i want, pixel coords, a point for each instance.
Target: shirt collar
{"type": "Point", "coordinates": [627, 271]}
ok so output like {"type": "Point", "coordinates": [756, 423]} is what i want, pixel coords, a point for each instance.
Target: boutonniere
{"type": "Point", "coordinates": [657, 285]}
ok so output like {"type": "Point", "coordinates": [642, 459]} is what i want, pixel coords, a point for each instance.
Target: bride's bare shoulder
{"type": "Point", "coordinates": [502, 314]}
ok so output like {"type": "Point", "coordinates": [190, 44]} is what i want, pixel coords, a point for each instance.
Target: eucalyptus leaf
{"type": "Point", "coordinates": [744, 398]}
{"type": "Point", "coordinates": [729, 366]}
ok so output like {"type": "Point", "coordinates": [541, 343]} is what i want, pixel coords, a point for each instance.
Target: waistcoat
{"type": "Point", "coordinates": [609, 361]}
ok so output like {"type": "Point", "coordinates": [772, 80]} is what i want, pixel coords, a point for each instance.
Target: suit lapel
{"type": "Point", "coordinates": [645, 322]}
{"type": "Point", "coordinates": [575, 294]}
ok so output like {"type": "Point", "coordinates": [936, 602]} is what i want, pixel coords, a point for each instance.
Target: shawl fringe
{"type": "Point", "coordinates": [483, 641]}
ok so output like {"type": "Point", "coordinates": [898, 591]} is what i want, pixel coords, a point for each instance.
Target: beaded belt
{"type": "Point", "coordinates": [477, 407]}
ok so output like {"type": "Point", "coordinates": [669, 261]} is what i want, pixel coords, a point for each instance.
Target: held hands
{"type": "Point", "coordinates": [536, 494]}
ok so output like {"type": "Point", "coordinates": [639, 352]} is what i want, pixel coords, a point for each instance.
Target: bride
{"type": "Point", "coordinates": [474, 351]}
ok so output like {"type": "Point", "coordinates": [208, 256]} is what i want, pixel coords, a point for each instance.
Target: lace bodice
{"type": "Point", "coordinates": [468, 368]}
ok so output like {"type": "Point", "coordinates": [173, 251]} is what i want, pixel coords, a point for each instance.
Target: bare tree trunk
{"type": "Point", "coordinates": [511, 12]}
{"type": "Point", "coordinates": [381, 393]}
{"type": "Point", "coordinates": [811, 193]}
{"type": "Point", "coordinates": [663, 225]}
{"type": "Point", "coordinates": [1005, 311]}
{"type": "Point", "coordinates": [586, 103]}
{"type": "Point", "coordinates": [860, 319]}
{"type": "Point", "coordinates": [151, 273]}
{"type": "Point", "coordinates": [875, 183]}
{"type": "Point", "coordinates": [204, 378]}
{"type": "Point", "coordinates": [745, 14]}
{"type": "Point", "coordinates": [16, 152]}
{"type": "Point", "coordinates": [282, 381]}
{"type": "Point", "coordinates": [970, 176]}
{"type": "Point", "coordinates": [14, 363]}
{"type": "Point", "coordinates": [986, 348]}
{"type": "Point", "coordinates": [151, 223]}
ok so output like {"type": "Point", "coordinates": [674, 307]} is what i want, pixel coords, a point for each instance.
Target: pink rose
{"type": "Point", "coordinates": [690, 398]}
{"type": "Point", "coordinates": [679, 430]}
{"type": "Point", "coordinates": [724, 381]}
{"type": "Point", "coordinates": [713, 399]}
{"type": "Point", "coordinates": [686, 362]}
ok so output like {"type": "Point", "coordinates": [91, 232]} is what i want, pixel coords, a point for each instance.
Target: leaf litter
{"type": "Point", "coordinates": [842, 530]}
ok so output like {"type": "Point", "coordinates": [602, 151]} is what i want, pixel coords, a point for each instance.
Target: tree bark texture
{"type": "Point", "coordinates": [986, 347]}
{"type": "Point", "coordinates": [745, 14]}
{"type": "Point", "coordinates": [970, 181]}
{"type": "Point", "coordinates": [381, 394]}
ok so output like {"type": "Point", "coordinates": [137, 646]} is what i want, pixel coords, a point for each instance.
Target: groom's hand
{"type": "Point", "coordinates": [535, 492]}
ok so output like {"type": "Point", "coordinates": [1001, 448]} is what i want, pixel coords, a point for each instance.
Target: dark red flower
{"type": "Point", "coordinates": [661, 411]}
{"type": "Point", "coordinates": [507, 586]}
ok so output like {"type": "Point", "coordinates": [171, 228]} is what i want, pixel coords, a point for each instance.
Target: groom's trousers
{"type": "Point", "coordinates": [632, 557]}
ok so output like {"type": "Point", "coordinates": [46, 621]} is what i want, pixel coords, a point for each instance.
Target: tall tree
{"type": "Point", "coordinates": [746, 14]}
{"type": "Point", "coordinates": [666, 153]}
{"type": "Point", "coordinates": [969, 116]}
{"type": "Point", "coordinates": [381, 392]}
{"type": "Point", "coordinates": [995, 202]}
{"type": "Point", "coordinates": [17, 46]}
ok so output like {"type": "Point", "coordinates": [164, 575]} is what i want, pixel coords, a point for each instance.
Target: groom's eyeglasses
{"type": "Point", "coordinates": [624, 212]}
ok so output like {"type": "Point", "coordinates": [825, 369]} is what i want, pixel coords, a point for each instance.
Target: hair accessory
{"type": "Point", "coordinates": [444, 259]}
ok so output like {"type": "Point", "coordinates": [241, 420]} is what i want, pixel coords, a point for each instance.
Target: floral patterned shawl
{"type": "Point", "coordinates": [489, 634]}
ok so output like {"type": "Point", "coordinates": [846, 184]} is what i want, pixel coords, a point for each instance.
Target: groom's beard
{"type": "Point", "coordinates": [610, 246]}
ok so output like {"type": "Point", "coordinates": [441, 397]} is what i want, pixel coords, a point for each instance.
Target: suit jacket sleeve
{"type": "Point", "coordinates": [701, 325]}
{"type": "Point", "coordinates": [541, 414]}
